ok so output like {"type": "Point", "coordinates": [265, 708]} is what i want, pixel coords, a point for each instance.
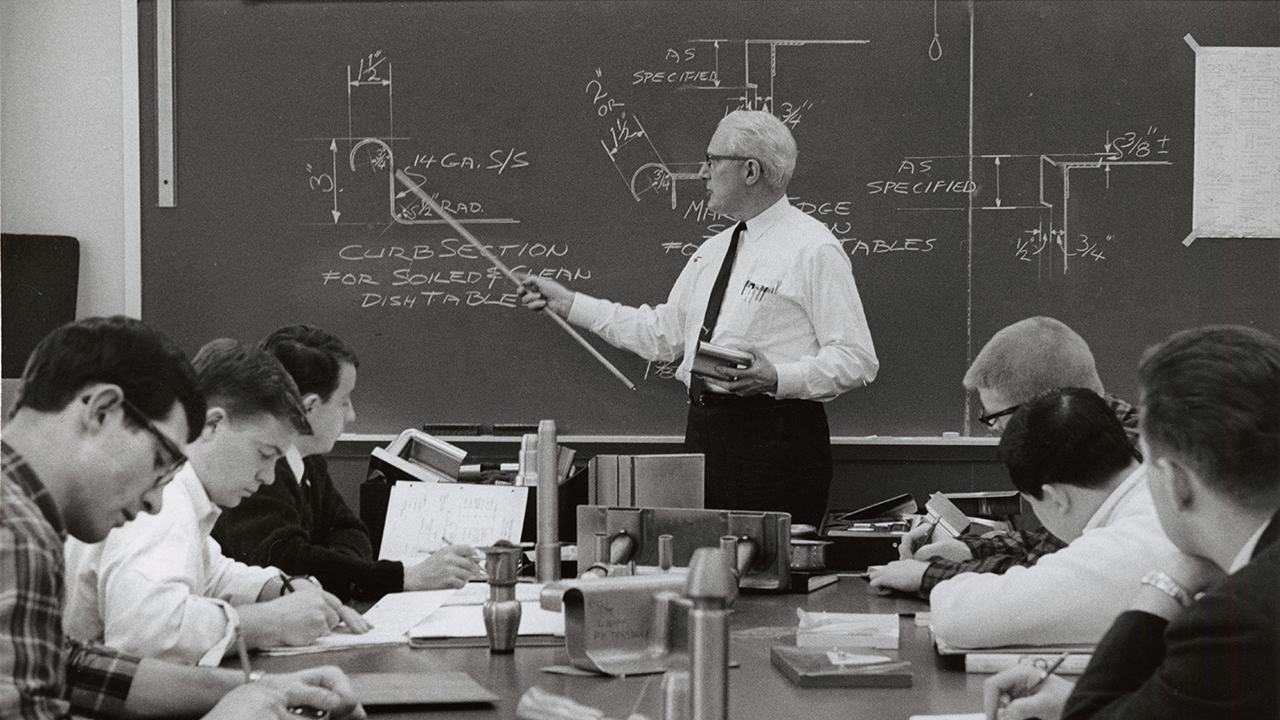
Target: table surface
{"type": "Point", "coordinates": [756, 688]}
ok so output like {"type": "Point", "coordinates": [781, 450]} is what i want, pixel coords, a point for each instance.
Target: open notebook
{"type": "Point", "coordinates": [437, 615]}
{"type": "Point", "coordinates": [460, 621]}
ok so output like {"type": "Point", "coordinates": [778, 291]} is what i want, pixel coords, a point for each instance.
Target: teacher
{"type": "Point", "coordinates": [776, 285]}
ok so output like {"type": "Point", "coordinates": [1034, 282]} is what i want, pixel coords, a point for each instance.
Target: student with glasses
{"type": "Point", "coordinates": [775, 284]}
{"type": "Point", "coordinates": [162, 587]}
{"type": "Point", "coordinates": [1018, 363]}
{"type": "Point", "coordinates": [1069, 458]}
{"type": "Point", "coordinates": [105, 409]}
{"type": "Point", "coordinates": [1029, 357]}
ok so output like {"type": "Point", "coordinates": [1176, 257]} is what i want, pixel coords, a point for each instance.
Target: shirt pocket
{"type": "Point", "coordinates": [766, 310]}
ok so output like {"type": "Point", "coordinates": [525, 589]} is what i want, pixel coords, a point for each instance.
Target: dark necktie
{"type": "Point", "coordinates": [696, 383]}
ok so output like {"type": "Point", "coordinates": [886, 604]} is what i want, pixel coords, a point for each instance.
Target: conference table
{"type": "Point", "coordinates": [756, 688]}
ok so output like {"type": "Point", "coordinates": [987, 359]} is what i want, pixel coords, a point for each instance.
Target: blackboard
{"type": "Point", "coordinates": [565, 134]}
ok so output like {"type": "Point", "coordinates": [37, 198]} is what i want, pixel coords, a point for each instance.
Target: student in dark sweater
{"type": "Point", "coordinates": [300, 523]}
{"type": "Point", "coordinates": [1202, 637]}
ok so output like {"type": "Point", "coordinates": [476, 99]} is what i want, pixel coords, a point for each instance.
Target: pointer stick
{"type": "Point", "coordinates": [488, 255]}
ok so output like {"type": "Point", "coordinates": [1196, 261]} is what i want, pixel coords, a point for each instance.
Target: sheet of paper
{"type": "Point", "coordinates": [1237, 138]}
{"type": "Point", "coordinates": [424, 517]}
{"type": "Point", "coordinates": [458, 621]}
{"type": "Point", "coordinates": [402, 610]}
{"type": "Point", "coordinates": [475, 593]}
{"type": "Point", "coordinates": [391, 617]}
{"type": "Point", "coordinates": [341, 639]}
{"type": "Point", "coordinates": [832, 629]}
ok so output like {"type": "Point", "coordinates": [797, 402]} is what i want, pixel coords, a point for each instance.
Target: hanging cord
{"type": "Point", "coordinates": [935, 47]}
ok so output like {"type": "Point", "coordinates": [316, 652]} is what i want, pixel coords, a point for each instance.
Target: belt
{"type": "Point", "coordinates": [715, 399]}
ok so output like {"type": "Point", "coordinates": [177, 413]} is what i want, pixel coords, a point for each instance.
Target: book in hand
{"type": "Point", "coordinates": [988, 503]}
{"type": "Point", "coordinates": [709, 357]}
{"type": "Point", "coordinates": [947, 519]}
{"type": "Point", "coordinates": [832, 667]}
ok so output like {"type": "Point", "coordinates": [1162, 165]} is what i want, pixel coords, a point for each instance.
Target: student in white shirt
{"type": "Point", "coordinates": [1068, 455]}
{"type": "Point", "coordinates": [160, 587]}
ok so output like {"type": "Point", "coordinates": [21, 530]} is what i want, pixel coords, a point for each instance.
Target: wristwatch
{"type": "Point", "coordinates": [1168, 586]}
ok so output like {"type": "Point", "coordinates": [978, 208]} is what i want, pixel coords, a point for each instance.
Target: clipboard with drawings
{"type": "Point", "coordinates": [424, 517]}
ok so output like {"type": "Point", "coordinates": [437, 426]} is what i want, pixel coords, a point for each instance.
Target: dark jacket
{"type": "Point", "coordinates": [307, 531]}
{"type": "Point", "coordinates": [1216, 660]}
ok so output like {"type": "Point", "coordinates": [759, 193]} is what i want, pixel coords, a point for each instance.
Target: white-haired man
{"type": "Point", "coordinates": [776, 285]}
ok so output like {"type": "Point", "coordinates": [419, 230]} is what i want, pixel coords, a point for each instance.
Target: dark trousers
{"type": "Point", "coordinates": [763, 454]}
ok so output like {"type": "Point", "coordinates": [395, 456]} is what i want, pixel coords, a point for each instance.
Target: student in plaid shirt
{"type": "Point", "coordinates": [97, 431]}
{"type": "Point", "coordinates": [1018, 363]}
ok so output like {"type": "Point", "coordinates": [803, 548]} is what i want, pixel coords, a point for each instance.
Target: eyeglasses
{"type": "Point", "coordinates": [176, 456]}
{"type": "Point", "coordinates": [712, 158]}
{"type": "Point", "coordinates": [990, 418]}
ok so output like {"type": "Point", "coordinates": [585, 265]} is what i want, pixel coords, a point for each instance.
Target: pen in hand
{"type": "Point", "coordinates": [354, 621]}
{"type": "Point", "coordinates": [1035, 687]}
{"type": "Point", "coordinates": [244, 659]}
{"type": "Point", "coordinates": [1047, 673]}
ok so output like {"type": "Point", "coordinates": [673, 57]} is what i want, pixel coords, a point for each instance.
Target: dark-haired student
{"type": "Point", "coordinates": [300, 523]}
{"type": "Point", "coordinates": [106, 408]}
{"type": "Point", "coordinates": [1021, 361]}
{"type": "Point", "coordinates": [1069, 457]}
{"type": "Point", "coordinates": [161, 587]}
{"type": "Point", "coordinates": [1201, 638]}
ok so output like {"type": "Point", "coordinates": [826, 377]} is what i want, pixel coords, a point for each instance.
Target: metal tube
{"type": "Point", "coordinates": [746, 556]}
{"type": "Point", "coordinates": [709, 653]}
{"type": "Point", "coordinates": [666, 551]}
{"type": "Point", "coordinates": [548, 546]}
{"type": "Point", "coordinates": [729, 546]}
{"type": "Point", "coordinates": [709, 585]}
{"type": "Point", "coordinates": [600, 543]}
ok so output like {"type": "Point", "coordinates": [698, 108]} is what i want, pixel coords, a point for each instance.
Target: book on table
{"type": "Point", "coordinates": [996, 659]}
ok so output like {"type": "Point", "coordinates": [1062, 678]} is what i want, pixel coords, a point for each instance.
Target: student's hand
{"type": "Point", "coordinates": [324, 688]}
{"type": "Point", "coordinates": [449, 567]}
{"type": "Point", "coordinates": [1003, 695]}
{"type": "Point", "coordinates": [254, 701]}
{"type": "Point", "coordinates": [539, 292]}
{"type": "Point", "coordinates": [1193, 572]}
{"type": "Point", "coordinates": [918, 536]}
{"type": "Point", "coordinates": [757, 378]}
{"type": "Point", "coordinates": [904, 575]}
{"type": "Point", "coordinates": [948, 549]}
{"type": "Point", "coordinates": [295, 619]}
{"type": "Point", "coordinates": [354, 621]}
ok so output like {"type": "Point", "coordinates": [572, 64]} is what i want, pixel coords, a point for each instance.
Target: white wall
{"type": "Point", "coordinates": [68, 137]}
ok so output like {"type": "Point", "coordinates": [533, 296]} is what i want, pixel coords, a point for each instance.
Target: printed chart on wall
{"type": "Point", "coordinates": [979, 163]}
